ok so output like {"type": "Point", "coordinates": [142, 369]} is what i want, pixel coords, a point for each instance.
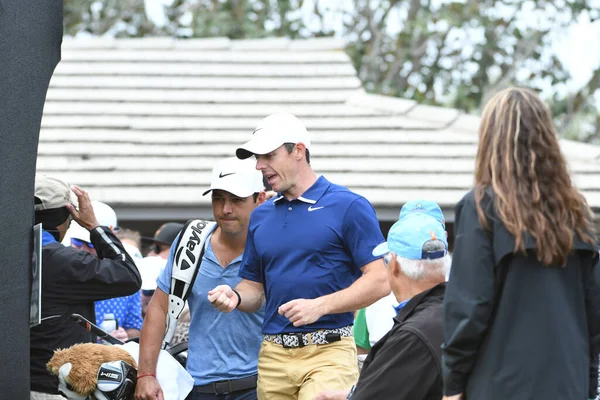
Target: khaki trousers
{"type": "Point", "coordinates": [304, 372]}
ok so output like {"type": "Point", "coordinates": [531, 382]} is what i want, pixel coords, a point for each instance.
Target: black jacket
{"type": "Point", "coordinates": [515, 329]}
{"type": "Point", "coordinates": [71, 281]}
{"type": "Point", "coordinates": [405, 363]}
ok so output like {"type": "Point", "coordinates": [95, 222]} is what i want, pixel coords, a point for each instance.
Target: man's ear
{"type": "Point", "coordinates": [262, 197]}
{"type": "Point", "coordinates": [299, 150]}
{"type": "Point", "coordinates": [394, 266]}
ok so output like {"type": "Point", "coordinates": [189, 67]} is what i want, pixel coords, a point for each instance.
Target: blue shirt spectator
{"type": "Point", "coordinates": [127, 310]}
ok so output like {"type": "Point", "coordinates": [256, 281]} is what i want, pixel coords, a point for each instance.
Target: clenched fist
{"type": "Point", "coordinates": [223, 298]}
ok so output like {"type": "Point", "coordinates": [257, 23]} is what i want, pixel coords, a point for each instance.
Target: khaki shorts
{"type": "Point", "coordinates": [302, 373]}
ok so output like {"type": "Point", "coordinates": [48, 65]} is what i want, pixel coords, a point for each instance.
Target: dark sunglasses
{"type": "Point", "coordinates": [81, 243]}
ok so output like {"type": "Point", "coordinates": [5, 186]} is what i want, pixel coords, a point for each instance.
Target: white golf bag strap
{"type": "Point", "coordinates": [186, 263]}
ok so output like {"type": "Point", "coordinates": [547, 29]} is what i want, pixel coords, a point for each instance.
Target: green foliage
{"type": "Point", "coordinates": [119, 18]}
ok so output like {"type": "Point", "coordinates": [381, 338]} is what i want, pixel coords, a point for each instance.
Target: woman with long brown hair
{"type": "Point", "coordinates": [522, 306]}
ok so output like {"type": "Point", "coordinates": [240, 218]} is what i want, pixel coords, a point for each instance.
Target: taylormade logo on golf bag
{"type": "Point", "coordinates": [190, 259]}
{"type": "Point", "coordinates": [187, 260]}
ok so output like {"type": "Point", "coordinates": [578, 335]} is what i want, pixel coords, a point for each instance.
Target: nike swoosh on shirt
{"type": "Point", "coordinates": [222, 175]}
{"type": "Point", "coordinates": [311, 208]}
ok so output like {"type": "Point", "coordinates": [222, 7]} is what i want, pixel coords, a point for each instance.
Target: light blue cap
{"type": "Point", "coordinates": [428, 207]}
{"type": "Point", "coordinates": [408, 235]}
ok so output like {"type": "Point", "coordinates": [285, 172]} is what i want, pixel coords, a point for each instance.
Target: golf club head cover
{"type": "Point", "coordinates": [116, 381]}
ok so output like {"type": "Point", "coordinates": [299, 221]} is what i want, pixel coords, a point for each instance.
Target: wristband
{"type": "Point", "coordinates": [145, 375]}
{"type": "Point", "coordinates": [239, 298]}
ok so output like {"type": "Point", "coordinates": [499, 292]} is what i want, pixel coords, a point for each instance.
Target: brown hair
{"type": "Point", "coordinates": [519, 158]}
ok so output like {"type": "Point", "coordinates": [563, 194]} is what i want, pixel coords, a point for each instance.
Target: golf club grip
{"type": "Point", "coordinates": [88, 326]}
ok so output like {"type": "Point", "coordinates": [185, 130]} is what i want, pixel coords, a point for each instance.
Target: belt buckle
{"type": "Point", "coordinates": [297, 335]}
{"type": "Point", "coordinates": [218, 392]}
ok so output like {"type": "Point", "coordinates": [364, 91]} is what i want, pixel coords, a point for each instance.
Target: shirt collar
{"type": "Point", "coordinates": [436, 292]}
{"type": "Point", "coordinates": [401, 306]}
{"type": "Point", "coordinates": [312, 194]}
{"type": "Point", "coordinates": [47, 238]}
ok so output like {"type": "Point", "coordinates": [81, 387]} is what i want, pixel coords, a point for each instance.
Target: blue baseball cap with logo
{"type": "Point", "coordinates": [408, 235]}
{"type": "Point", "coordinates": [428, 207]}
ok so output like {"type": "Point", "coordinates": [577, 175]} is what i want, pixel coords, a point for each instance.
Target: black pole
{"type": "Point", "coordinates": [30, 38]}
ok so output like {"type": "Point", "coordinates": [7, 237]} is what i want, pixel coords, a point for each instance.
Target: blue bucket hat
{"type": "Point", "coordinates": [428, 207]}
{"type": "Point", "coordinates": [419, 223]}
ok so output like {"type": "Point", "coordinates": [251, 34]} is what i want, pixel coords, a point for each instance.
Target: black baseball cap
{"type": "Point", "coordinates": [167, 233]}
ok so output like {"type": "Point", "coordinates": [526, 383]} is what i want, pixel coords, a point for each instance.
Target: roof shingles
{"type": "Point", "coordinates": [139, 123]}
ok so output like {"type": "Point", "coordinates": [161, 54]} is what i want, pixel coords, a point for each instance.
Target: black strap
{"type": "Point", "coordinates": [226, 387]}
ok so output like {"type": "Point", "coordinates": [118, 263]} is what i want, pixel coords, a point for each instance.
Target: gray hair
{"type": "Point", "coordinates": [420, 269]}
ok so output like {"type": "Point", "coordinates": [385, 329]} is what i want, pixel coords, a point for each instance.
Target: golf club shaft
{"type": "Point", "coordinates": [88, 326]}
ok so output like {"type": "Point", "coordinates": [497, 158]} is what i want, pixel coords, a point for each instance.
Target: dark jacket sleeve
{"type": "Point", "coordinates": [88, 278]}
{"type": "Point", "coordinates": [592, 297]}
{"type": "Point", "coordinates": [469, 298]}
{"type": "Point", "coordinates": [402, 370]}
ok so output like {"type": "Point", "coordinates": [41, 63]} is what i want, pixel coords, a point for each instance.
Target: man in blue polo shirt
{"type": "Point", "coordinates": [309, 257]}
{"type": "Point", "coordinates": [223, 349]}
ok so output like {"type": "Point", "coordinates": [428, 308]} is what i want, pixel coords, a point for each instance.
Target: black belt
{"type": "Point", "coordinates": [226, 387]}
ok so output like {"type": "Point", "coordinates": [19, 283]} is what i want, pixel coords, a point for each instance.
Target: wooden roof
{"type": "Point", "coordinates": [141, 122]}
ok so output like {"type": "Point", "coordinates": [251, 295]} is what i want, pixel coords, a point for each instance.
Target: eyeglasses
{"type": "Point", "coordinates": [387, 258]}
{"type": "Point", "coordinates": [81, 243]}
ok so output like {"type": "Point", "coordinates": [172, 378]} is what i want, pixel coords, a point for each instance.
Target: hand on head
{"type": "Point", "coordinates": [84, 216]}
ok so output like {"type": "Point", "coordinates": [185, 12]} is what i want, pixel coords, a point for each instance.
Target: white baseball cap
{"type": "Point", "coordinates": [239, 177]}
{"type": "Point", "coordinates": [272, 132]}
{"type": "Point", "coordinates": [105, 215]}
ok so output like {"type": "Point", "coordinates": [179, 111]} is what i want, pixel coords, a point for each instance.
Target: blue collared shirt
{"type": "Point", "coordinates": [127, 310]}
{"type": "Point", "coordinates": [222, 346]}
{"type": "Point", "coordinates": [309, 247]}
{"type": "Point", "coordinates": [47, 238]}
{"type": "Point", "coordinates": [401, 306]}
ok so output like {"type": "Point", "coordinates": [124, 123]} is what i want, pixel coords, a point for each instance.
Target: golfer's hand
{"type": "Point", "coordinates": [223, 299]}
{"type": "Point", "coordinates": [302, 311]}
{"type": "Point", "coordinates": [85, 215]}
{"type": "Point", "coordinates": [148, 388]}
{"type": "Point", "coordinates": [332, 395]}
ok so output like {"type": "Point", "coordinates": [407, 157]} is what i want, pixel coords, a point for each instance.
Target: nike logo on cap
{"type": "Point", "coordinates": [222, 175]}
{"type": "Point", "coordinates": [311, 208]}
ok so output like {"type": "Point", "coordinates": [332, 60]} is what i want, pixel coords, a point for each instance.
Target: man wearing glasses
{"type": "Point", "coordinates": [406, 363]}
